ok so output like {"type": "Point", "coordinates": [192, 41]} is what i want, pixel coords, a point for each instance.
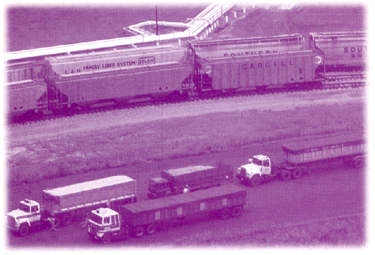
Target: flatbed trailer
{"type": "Point", "coordinates": [298, 156]}
{"type": "Point", "coordinates": [143, 217]}
{"type": "Point", "coordinates": [62, 205]}
{"type": "Point", "coordinates": [174, 181]}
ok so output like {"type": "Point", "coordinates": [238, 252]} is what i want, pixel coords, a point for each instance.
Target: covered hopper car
{"type": "Point", "coordinates": [343, 51]}
{"type": "Point", "coordinates": [105, 77]}
{"type": "Point", "coordinates": [236, 47]}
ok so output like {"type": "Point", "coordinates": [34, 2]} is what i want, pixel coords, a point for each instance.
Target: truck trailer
{"type": "Point", "coordinates": [174, 181]}
{"type": "Point", "coordinates": [298, 155]}
{"type": "Point", "coordinates": [61, 205]}
{"type": "Point", "coordinates": [143, 217]}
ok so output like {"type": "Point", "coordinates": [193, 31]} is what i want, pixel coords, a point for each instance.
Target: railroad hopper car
{"type": "Point", "coordinates": [118, 77]}
{"type": "Point", "coordinates": [289, 69]}
{"type": "Point", "coordinates": [26, 70]}
{"type": "Point", "coordinates": [247, 46]}
{"type": "Point", "coordinates": [26, 95]}
{"type": "Point", "coordinates": [343, 51]}
{"type": "Point", "coordinates": [26, 86]}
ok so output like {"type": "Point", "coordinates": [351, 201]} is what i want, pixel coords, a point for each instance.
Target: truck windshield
{"type": "Point", "coordinates": [257, 161]}
{"type": "Point", "coordinates": [96, 218]}
{"type": "Point", "coordinates": [153, 184]}
{"type": "Point", "coordinates": [24, 207]}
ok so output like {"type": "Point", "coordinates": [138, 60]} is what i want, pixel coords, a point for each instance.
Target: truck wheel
{"type": "Point", "coordinates": [236, 211]}
{"type": "Point", "coordinates": [150, 229]}
{"type": "Point", "coordinates": [106, 239]}
{"type": "Point", "coordinates": [224, 214]}
{"type": "Point", "coordinates": [297, 173]}
{"type": "Point", "coordinates": [285, 175]}
{"type": "Point", "coordinates": [359, 163]}
{"type": "Point", "coordinates": [66, 219]}
{"type": "Point", "coordinates": [57, 222]}
{"type": "Point", "coordinates": [24, 229]}
{"type": "Point", "coordinates": [139, 232]}
{"type": "Point", "coordinates": [255, 181]}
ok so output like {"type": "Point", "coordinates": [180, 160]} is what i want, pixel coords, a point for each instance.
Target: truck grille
{"type": "Point", "coordinates": [11, 221]}
{"type": "Point", "coordinates": [93, 229]}
{"type": "Point", "coordinates": [243, 172]}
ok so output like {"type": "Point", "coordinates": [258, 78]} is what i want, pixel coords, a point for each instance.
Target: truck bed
{"type": "Point", "coordinates": [325, 148]}
{"type": "Point", "coordinates": [150, 211]}
{"type": "Point", "coordinates": [89, 193]}
{"type": "Point", "coordinates": [198, 176]}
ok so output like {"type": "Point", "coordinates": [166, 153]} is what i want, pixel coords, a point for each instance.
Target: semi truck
{"type": "Point", "coordinates": [144, 217]}
{"type": "Point", "coordinates": [174, 181]}
{"type": "Point", "coordinates": [298, 155]}
{"type": "Point", "coordinates": [61, 205]}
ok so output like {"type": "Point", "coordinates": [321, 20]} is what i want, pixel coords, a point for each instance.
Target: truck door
{"type": "Point", "coordinates": [266, 168]}
{"type": "Point", "coordinates": [35, 214]}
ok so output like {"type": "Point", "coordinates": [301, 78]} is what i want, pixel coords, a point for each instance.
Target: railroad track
{"type": "Point", "coordinates": [344, 79]}
{"type": "Point", "coordinates": [334, 80]}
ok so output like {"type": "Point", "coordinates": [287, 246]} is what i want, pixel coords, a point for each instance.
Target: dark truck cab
{"type": "Point", "coordinates": [174, 181]}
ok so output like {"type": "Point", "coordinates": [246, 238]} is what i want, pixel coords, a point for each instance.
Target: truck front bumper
{"type": "Point", "coordinates": [151, 195]}
{"type": "Point", "coordinates": [13, 228]}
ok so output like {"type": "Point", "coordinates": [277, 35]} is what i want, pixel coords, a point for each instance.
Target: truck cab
{"type": "Point", "coordinates": [23, 218]}
{"type": "Point", "coordinates": [259, 166]}
{"type": "Point", "coordinates": [105, 225]}
{"type": "Point", "coordinates": [159, 187]}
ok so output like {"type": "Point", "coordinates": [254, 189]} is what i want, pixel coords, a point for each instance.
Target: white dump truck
{"type": "Point", "coordinates": [62, 205]}
{"type": "Point", "coordinates": [350, 148]}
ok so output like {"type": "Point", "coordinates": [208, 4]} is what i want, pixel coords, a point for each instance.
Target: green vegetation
{"type": "Point", "coordinates": [172, 138]}
{"type": "Point", "coordinates": [349, 231]}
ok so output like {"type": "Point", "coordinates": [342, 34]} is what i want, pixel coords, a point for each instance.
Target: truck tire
{"type": "Point", "coordinates": [24, 229]}
{"type": "Point", "coordinates": [57, 222]}
{"type": "Point", "coordinates": [297, 173]}
{"type": "Point", "coordinates": [150, 229]}
{"type": "Point", "coordinates": [285, 175]}
{"type": "Point", "coordinates": [236, 211]}
{"type": "Point", "coordinates": [224, 214]}
{"type": "Point", "coordinates": [107, 238]}
{"type": "Point", "coordinates": [359, 163]}
{"type": "Point", "coordinates": [139, 232]}
{"type": "Point", "coordinates": [66, 219]}
{"type": "Point", "coordinates": [255, 181]}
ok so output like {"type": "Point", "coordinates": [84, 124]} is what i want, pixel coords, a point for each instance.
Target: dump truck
{"type": "Point", "coordinates": [61, 205]}
{"type": "Point", "coordinates": [145, 217]}
{"type": "Point", "coordinates": [298, 155]}
{"type": "Point", "coordinates": [174, 181]}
